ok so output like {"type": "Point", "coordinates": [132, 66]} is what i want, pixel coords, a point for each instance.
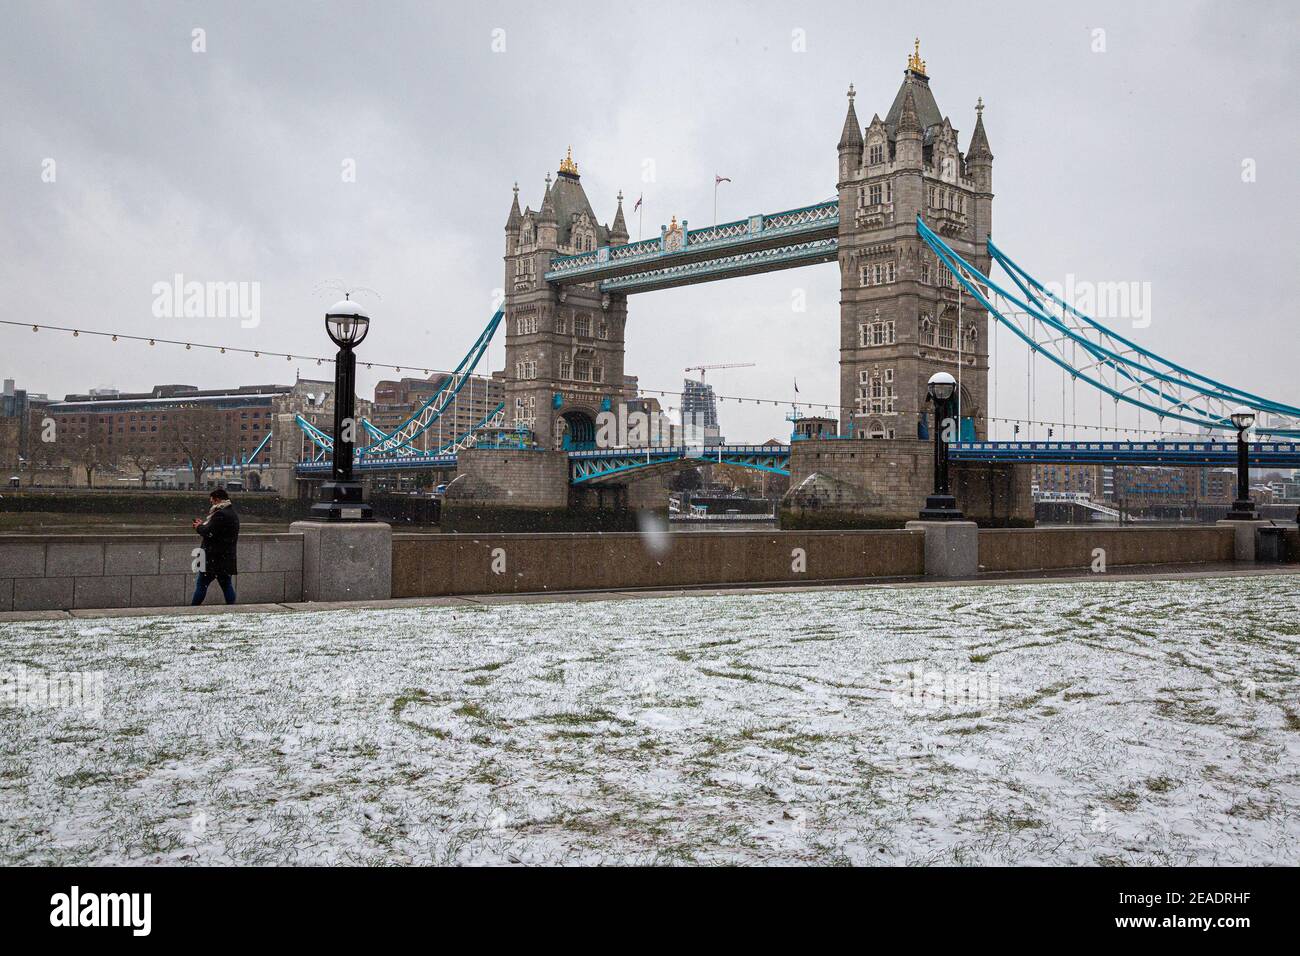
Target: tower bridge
{"type": "Point", "coordinates": [910, 228]}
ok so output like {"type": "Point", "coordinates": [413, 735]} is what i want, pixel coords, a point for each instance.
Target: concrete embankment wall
{"type": "Point", "coordinates": [430, 565]}
{"type": "Point", "coordinates": [1034, 549]}
{"type": "Point", "coordinates": [68, 572]}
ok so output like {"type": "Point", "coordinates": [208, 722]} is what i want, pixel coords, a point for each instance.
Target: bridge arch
{"type": "Point", "coordinates": [576, 428]}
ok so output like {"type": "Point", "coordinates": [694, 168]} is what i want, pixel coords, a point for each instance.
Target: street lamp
{"type": "Point", "coordinates": [941, 506]}
{"type": "Point", "coordinates": [341, 497]}
{"type": "Point", "coordinates": [1243, 509]}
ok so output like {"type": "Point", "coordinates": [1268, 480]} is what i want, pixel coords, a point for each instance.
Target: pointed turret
{"type": "Point", "coordinates": [548, 233]}
{"type": "Point", "coordinates": [851, 138]}
{"type": "Point", "coordinates": [512, 223]}
{"type": "Point", "coordinates": [908, 139]}
{"type": "Point", "coordinates": [908, 122]}
{"type": "Point", "coordinates": [979, 140]}
{"type": "Point", "coordinates": [547, 212]}
{"type": "Point", "coordinates": [850, 142]}
{"type": "Point", "coordinates": [618, 234]}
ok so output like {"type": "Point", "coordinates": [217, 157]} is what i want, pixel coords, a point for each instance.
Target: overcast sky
{"type": "Point", "coordinates": [227, 165]}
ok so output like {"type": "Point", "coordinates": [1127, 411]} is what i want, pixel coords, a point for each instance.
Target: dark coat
{"type": "Point", "coordinates": [220, 534]}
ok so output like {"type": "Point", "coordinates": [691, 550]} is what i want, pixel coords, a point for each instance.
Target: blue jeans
{"type": "Point", "coordinates": [204, 578]}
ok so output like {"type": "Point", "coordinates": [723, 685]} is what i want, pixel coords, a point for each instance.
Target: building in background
{"type": "Point", "coordinates": [162, 437]}
{"type": "Point", "coordinates": [20, 413]}
{"type": "Point", "coordinates": [700, 407]}
{"type": "Point", "coordinates": [1072, 478]}
{"type": "Point", "coordinates": [396, 401]}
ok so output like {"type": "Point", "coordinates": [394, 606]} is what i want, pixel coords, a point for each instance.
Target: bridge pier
{"type": "Point", "coordinates": [529, 490]}
{"type": "Point", "coordinates": [868, 483]}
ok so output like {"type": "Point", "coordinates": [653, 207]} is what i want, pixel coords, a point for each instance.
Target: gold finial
{"type": "Point", "coordinates": [914, 62]}
{"type": "Point", "coordinates": [979, 106]}
{"type": "Point", "coordinates": [673, 226]}
{"type": "Point", "coordinates": [852, 93]}
{"type": "Point", "coordinates": [567, 165]}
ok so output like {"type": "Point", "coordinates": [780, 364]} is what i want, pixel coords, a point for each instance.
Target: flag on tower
{"type": "Point", "coordinates": [638, 202]}
{"type": "Point", "coordinates": [720, 179]}
{"type": "Point", "coordinates": [796, 386]}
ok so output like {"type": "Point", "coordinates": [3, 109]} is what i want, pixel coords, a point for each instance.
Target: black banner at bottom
{"type": "Point", "coordinates": [339, 905]}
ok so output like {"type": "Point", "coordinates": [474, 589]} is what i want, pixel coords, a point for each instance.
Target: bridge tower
{"type": "Point", "coordinates": [898, 307]}
{"type": "Point", "coordinates": [564, 344]}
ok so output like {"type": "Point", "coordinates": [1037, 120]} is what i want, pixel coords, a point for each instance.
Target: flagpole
{"type": "Point", "coordinates": [715, 200]}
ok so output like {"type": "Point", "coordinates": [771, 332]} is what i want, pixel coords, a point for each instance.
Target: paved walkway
{"type": "Point", "coordinates": [1129, 573]}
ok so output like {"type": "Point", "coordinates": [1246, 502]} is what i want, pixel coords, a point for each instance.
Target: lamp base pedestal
{"type": "Point", "coordinates": [346, 560]}
{"type": "Point", "coordinates": [1244, 541]}
{"type": "Point", "coordinates": [342, 501]}
{"type": "Point", "coordinates": [952, 548]}
{"type": "Point", "coordinates": [941, 508]}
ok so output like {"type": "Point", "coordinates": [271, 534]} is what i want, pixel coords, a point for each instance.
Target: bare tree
{"type": "Point", "coordinates": [87, 447]}
{"type": "Point", "coordinates": [140, 452]}
{"type": "Point", "coordinates": [204, 436]}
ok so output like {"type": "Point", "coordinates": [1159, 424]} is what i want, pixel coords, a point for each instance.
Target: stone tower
{"type": "Point", "coordinates": [898, 307]}
{"type": "Point", "coordinates": [564, 346]}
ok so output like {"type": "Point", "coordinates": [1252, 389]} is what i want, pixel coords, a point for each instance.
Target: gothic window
{"type": "Point", "coordinates": [891, 272]}
{"type": "Point", "coordinates": [925, 271]}
{"type": "Point", "coordinates": [566, 370]}
{"type": "Point", "coordinates": [877, 194]}
{"type": "Point", "coordinates": [562, 325]}
{"type": "Point", "coordinates": [864, 336]}
{"type": "Point", "coordinates": [598, 373]}
{"type": "Point", "coordinates": [877, 154]}
{"type": "Point", "coordinates": [927, 330]}
{"type": "Point", "coordinates": [602, 329]}
{"type": "Point", "coordinates": [946, 340]}
{"type": "Point", "coordinates": [582, 370]}
{"type": "Point", "coordinates": [582, 325]}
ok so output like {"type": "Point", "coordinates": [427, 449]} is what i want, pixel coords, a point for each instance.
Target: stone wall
{"type": "Point", "coordinates": [863, 482]}
{"type": "Point", "coordinates": [137, 570]}
{"type": "Point", "coordinates": [1030, 549]}
{"type": "Point", "coordinates": [514, 478]}
{"type": "Point", "coordinates": [430, 565]}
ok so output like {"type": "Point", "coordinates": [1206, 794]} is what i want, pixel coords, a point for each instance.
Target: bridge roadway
{"type": "Point", "coordinates": [609, 465]}
{"type": "Point", "coordinates": [1199, 454]}
{"type": "Point", "coordinates": [761, 243]}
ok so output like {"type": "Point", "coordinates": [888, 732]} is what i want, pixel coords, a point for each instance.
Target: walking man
{"type": "Point", "coordinates": [220, 534]}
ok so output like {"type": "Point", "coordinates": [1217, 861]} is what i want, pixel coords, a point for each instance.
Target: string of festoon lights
{"type": "Point", "coordinates": [154, 341]}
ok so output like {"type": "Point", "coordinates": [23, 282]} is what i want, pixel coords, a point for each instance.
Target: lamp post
{"type": "Point", "coordinates": [1243, 509]}
{"type": "Point", "coordinates": [941, 505]}
{"type": "Point", "coordinates": [341, 497]}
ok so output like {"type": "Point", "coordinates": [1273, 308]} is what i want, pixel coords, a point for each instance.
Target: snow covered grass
{"type": "Point", "coordinates": [1090, 723]}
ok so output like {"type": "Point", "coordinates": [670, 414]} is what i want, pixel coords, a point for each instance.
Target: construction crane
{"type": "Point", "coordinates": [704, 368]}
